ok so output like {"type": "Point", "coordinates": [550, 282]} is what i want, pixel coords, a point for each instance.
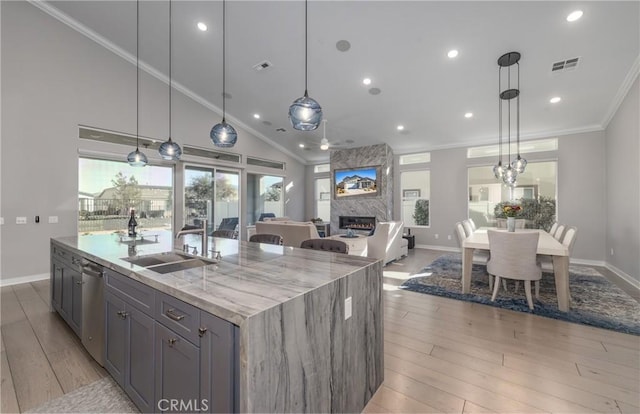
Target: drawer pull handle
{"type": "Point", "coordinates": [171, 314]}
{"type": "Point", "coordinates": [202, 331]}
{"type": "Point", "coordinates": [171, 341]}
{"type": "Point", "coordinates": [78, 282]}
{"type": "Point", "coordinates": [122, 314]}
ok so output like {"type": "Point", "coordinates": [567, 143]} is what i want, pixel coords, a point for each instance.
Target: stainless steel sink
{"type": "Point", "coordinates": [169, 262]}
{"type": "Point", "coordinates": [183, 265]}
{"type": "Point", "coordinates": [156, 259]}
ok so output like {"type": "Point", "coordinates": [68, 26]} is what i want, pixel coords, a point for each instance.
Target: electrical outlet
{"type": "Point", "coordinates": [347, 308]}
{"type": "Point", "coordinates": [612, 251]}
{"type": "Point", "coordinates": [449, 237]}
{"type": "Point", "coordinates": [53, 219]}
{"type": "Point", "coordinates": [437, 235]}
{"type": "Point", "coordinates": [1, 221]}
{"type": "Point", "coordinates": [21, 220]}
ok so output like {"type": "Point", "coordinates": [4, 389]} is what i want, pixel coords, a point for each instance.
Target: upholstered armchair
{"type": "Point", "coordinates": [386, 242]}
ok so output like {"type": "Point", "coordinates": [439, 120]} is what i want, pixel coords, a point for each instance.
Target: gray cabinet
{"type": "Point", "coordinates": [56, 285]}
{"type": "Point", "coordinates": [129, 350]}
{"type": "Point", "coordinates": [219, 364]}
{"type": "Point", "coordinates": [66, 287]}
{"type": "Point", "coordinates": [177, 368]}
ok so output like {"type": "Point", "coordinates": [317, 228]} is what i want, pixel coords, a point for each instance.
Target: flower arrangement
{"type": "Point", "coordinates": [511, 210]}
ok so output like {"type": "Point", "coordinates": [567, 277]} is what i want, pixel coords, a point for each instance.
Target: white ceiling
{"type": "Point", "coordinates": [402, 47]}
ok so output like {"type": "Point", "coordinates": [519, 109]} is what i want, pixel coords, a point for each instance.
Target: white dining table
{"type": "Point", "coordinates": [547, 245]}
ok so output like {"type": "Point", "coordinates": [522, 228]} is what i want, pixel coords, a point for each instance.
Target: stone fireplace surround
{"type": "Point", "coordinates": [356, 222]}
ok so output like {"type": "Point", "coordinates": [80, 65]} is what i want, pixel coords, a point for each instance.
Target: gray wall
{"type": "Point", "coordinates": [54, 79]}
{"type": "Point", "coordinates": [581, 185]}
{"type": "Point", "coordinates": [623, 186]}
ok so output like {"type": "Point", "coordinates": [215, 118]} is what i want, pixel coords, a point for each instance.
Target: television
{"type": "Point", "coordinates": [357, 182]}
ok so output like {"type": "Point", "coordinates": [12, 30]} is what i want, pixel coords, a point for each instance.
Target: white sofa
{"type": "Point", "coordinates": [387, 242]}
{"type": "Point", "coordinates": [293, 232]}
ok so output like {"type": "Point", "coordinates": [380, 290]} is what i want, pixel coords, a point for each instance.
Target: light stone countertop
{"type": "Point", "coordinates": [250, 279]}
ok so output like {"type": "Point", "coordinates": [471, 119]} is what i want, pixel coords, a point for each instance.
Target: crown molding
{"type": "Point", "coordinates": [622, 92]}
{"type": "Point", "coordinates": [117, 50]}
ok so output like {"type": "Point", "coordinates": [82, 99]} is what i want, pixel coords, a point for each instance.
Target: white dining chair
{"type": "Point", "coordinates": [520, 223]}
{"type": "Point", "coordinates": [468, 230]}
{"type": "Point", "coordinates": [501, 223]}
{"type": "Point", "coordinates": [479, 256]}
{"type": "Point", "coordinates": [553, 228]}
{"type": "Point", "coordinates": [513, 256]}
{"type": "Point", "coordinates": [568, 240]}
{"type": "Point", "coordinates": [559, 232]}
{"type": "Point", "coordinates": [473, 224]}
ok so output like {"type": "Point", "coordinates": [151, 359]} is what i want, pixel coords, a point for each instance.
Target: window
{"type": "Point", "coordinates": [321, 168]}
{"type": "Point", "coordinates": [526, 147]}
{"type": "Point", "coordinates": [535, 192]}
{"type": "Point", "coordinates": [415, 158]}
{"type": "Point", "coordinates": [264, 196]}
{"type": "Point", "coordinates": [415, 191]}
{"type": "Point", "coordinates": [108, 190]}
{"type": "Point", "coordinates": [211, 194]}
{"type": "Point", "coordinates": [323, 199]}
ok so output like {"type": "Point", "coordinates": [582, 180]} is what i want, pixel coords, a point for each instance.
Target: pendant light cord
{"type": "Point", "coordinates": [499, 116]}
{"type": "Point", "coordinates": [137, 73]}
{"type": "Point", "coordinates": [224, 66]}
{"type": "Point", "coordinates": [306, 47]}
{"type": "Point", "coordinates": [509, 114]}
{"type": "Point", "coordinates": [518, 113]}
{"type": "Point", "coordinates": [170, 88]}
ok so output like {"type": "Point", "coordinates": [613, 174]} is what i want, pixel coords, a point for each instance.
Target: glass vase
{"type": "Point", "coordinates": [511, 224]}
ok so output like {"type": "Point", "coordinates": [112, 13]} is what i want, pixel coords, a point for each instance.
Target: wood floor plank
{"type": "Point", "coordinates": [571, 387]}
{"type": "Point", "coordinates": [396, 402]}
{"type": "Point", "coordinates": [74, 368]}
{"type": "Point", "coordinates": [471, 408]}
{"type": "Point", "coordinates": [8, 399]}
{"type": "Point", "coordinates": [33, 379]}
{"type": "Point", "coordinates": [629, 408]}
{"type": "Point", "coordinates": [441, 400]}
{"type": "Point", "coordinates": [10, 310]}
{"type": "Point", "coordinates": [374, 408]}
{"type": "Point", "coordinates": [491, 380]}
{"type": "Point", "coordinates": [617, 379]}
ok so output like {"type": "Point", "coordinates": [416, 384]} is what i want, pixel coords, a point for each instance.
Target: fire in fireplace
{"type": "Point", "coordinates": [356, 222]}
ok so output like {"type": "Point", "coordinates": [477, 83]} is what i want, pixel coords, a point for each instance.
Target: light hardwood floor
{"type": "Point", "coordinates": [441, 356]}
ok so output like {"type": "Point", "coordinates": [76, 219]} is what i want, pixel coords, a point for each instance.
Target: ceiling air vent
{"type": "Point", "coordinates": [564, 65]}
{"type": "Point", "coordinates": [265, 64]}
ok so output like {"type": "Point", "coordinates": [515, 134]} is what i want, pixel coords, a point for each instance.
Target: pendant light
{"type": "Point", "coordinates": [305, 113]}
{"type": "Point", "coordinates": [137, 158]}
{"type": "Point", "coordinates": [498, 169]}
{"type": "Point", "coordinates": [169, 150]}
{"type": "Point", "coordinates": [324, 142]}
{"type": "Point", "coordinates": [519, 163]}
{"type": "Point", "coordinates": [223, 135]}
{"type": "Point", "coordinates": [510, 173]}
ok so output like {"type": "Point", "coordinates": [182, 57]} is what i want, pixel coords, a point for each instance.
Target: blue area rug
{"type": "Point", "coordinates": [595, 300]}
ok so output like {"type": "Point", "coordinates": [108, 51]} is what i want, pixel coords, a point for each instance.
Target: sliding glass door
{"type": "Point", "coordinates": [211, 194]}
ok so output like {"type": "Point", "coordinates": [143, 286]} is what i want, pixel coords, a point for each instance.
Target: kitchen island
{"type": "Point", "coordinates": [297, 349]}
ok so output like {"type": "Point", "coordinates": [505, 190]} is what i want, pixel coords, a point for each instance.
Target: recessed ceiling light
{"type": "Point", "coordinates": [468, 115]}
{"type": "Point", "coordinates": [301, 145]}
{"type": "Point", "coordinates": [400, 127]}
{"type": "Point", "coordinates": [202, 26]}
{"type": "Point", "coordinates": [256, 116]}
{"type": "Point", "coordinates": [452, 53]}
{"type": "Point", "coordinates": [575, 15]}
{"type": "Point", "coordinates": [555, 99]}
{"type": "Point", "coordinates": [366, 81]}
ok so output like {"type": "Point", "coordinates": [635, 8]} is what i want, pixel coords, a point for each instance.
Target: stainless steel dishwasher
{"type": "Point", "coordinates": [93, 309]}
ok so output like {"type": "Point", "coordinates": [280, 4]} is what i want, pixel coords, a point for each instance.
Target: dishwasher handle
{"type": "Point", "coordinates": [92, 269]}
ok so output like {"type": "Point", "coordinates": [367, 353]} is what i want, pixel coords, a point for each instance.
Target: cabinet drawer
{"type": "Point", "coordinates": [182, 318]}
{"type": "Point", "coordinates": [136, 293]}
{"type": "Point", "coordinates": [66, 257]}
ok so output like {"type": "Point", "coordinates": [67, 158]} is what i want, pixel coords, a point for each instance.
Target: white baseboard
{"type": "Point", "coordinates": [441, 248]}
{"type": "Point", "coordinates": [624, 276]}
{"type": "Point", "coordinates": [588, 262]}
{"type": "Point", "coordinates": [24, 279]}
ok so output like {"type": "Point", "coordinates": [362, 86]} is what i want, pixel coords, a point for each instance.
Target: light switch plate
{"type": "Point", "coordinates": [347, 308]}
{"type": "Point", "coordinates": [1, 221]}
{"type": "Point", "coordinates": [21, 220]}
{"type": "Point", "coordinates": [53, 219]}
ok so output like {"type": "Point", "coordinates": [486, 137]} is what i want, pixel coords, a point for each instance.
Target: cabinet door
{"type": "Point", "coordinates": [139, 349]}
{"type": "Point", "coordinates": [66, 302]}
{"type": "Point", "coordinates": [56, 285]}
{"type": "Point", "coordinates": [75, 319]}
{"type": "Point", "coordinates": [177, 371]}
{"type": "Point", "coordinates": [219, 364]}
{"type": "Point", "coordinates": [115, 331]}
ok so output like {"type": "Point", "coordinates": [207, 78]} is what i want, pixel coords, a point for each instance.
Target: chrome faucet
{"type": "Point", "coordinates": [203, 233]}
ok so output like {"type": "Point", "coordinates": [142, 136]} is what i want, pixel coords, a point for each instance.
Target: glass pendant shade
{"type": "Point", "coordinates": [137, 158]}
{"type": "Point", "coordinates": [324, 144]}
{"type": "Point", "coordinates": [223, 135]}
{"type": "Point", "coordinates": [170, 151]}
{"type": "Point", "coordinates": [519, 164]}
{"type": "Point", "coordinates": [305, 114]}
{"type": "Point", "coordinates": [498, 170]}
{"type": "Point", "coordinates": [509, 177]}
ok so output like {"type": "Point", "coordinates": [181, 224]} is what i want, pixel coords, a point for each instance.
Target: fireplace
{"type": "Point", "coordinates": [356, 222]}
